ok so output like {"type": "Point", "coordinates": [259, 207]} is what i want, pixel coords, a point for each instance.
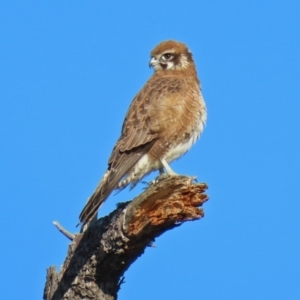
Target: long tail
{"type": "Point", "coordinates": [101, 193]}
{"type": "Point", "coordinates": [118, 170]}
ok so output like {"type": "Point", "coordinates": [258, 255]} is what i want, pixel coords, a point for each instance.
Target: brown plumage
{"type": "Point", "coordinates": [163, 121]}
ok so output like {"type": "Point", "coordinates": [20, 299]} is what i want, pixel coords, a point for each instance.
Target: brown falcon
{"type": "Point", "coordinates": [163, 121]}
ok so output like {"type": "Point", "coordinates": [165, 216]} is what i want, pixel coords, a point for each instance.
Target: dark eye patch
{"type": "Point", "coordinates": [167, 55]}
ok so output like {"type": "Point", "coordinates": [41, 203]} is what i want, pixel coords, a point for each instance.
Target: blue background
{"type": "Point", "coordinates": [68, 72]}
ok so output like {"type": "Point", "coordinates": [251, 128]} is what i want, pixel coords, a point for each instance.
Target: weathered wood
{"type": "Point", "coordinates": [98, 258]}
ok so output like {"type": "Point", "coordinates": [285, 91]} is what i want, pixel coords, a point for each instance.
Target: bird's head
{"type": "Point", "coordinates": [171, 55]}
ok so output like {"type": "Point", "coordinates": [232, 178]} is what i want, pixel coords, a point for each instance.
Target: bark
{"type": "Point", "coordinates": [98, 258]}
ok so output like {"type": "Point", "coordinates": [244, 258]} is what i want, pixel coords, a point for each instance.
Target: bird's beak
{"type": "Point", "coordinates": [153, 62]}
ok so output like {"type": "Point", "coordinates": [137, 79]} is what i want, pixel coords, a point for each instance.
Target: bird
{"type": "Point", "coordinates": [163, 121]}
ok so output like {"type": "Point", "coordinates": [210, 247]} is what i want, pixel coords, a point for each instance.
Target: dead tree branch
{"type": "Point", "coordinates": [98, 258]}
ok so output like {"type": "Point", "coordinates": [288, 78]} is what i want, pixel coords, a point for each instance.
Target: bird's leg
{"type": "Point", "coordinates": [161, 175]}
{"type": "Point", "coordinates": [168, 168]}
{"type": "Point", "coordinates": [161, 171]}
{"type": "Point", "coordinates": [153, 181]}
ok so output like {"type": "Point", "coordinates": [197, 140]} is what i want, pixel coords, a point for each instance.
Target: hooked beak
{"type": "Point", "coordinates": [153, 62]}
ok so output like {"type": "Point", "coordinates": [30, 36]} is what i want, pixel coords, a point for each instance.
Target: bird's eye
{"type": "Point", "coordinates": [167, 56]}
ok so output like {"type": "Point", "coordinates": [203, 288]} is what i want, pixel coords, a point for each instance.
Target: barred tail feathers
{"type": "Point", "coordinates": [101, 193]}
{"type": "Point", "coordinates": [119, 168]}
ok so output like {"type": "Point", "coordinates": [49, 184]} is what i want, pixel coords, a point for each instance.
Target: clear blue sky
{"type": "Point", "coordinates": [69, 70]}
